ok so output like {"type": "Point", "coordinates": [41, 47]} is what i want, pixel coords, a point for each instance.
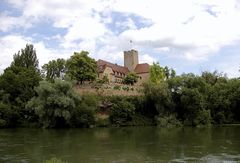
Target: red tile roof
{"type": "Point", "coordinates": [142, 68]}
{"type": "Point", "coordinates": [139, 69]}
{"type": "Point", "coordinates": [116, 68]}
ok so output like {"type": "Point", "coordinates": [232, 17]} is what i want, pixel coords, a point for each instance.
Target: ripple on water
{"type": "Point", "coordinates": [223, 158]}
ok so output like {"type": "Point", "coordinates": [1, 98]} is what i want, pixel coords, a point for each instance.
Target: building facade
{"type": "Point", "coordinates": [116, 73]}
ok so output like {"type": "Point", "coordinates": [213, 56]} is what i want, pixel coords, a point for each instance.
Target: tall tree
{"type": "Point", "coordinates": [18, 81]}
{"type": "Point", "coordinates": [27, 57]}
{"type": "Point", "coordinates": [169, 72]}
{"type": "Point", "coordinates": [157, 73]}
{"type": "Point", "coordinates": [81, 67]}
{"type": "Point", "coordinates": [54, 69]}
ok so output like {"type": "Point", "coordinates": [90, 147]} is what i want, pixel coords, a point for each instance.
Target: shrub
{"type": "Point", "coordinates": [84, 114]}
{"type": "Point", "coordinates": [8, 116]}
{"type": "Point", "coordinates": [125, 88]}
{"type": "Point", "coordinates": [168, 121]}
{"type": "Point", "coordinates": [54, 103]}
{"type": "Point", "coordinates": [117, 87]}
{"type": "Point", "coordinates": [122, 112]}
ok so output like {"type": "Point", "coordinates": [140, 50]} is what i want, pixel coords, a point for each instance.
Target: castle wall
{"type": "Point", "coordinates": [143, 78]}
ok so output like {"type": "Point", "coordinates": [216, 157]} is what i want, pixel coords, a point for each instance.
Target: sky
{"type": "Point", "coordinates": [187, 35]}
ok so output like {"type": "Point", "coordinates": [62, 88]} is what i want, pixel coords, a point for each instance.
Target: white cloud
{"type": "Point", "coordinates": [128, 24]}
{"type": "Point", "coordinates": [197, 29]}
{"type": "Point", "coordinates": [11, 44]}
{"type": "Point", "coordinates": [146, 58]}
{"type": "Point", "coordinates": [193, 29]}
{"type": "Point", "coordinates": [7, 23]}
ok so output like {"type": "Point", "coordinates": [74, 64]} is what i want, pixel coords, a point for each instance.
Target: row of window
{"type": "Point", "coordinates": [118, 73]}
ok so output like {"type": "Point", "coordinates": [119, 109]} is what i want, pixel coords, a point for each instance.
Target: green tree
{"type": "Point", "coordinates": [81, 67]}
{"type": "Point", "coordinates": [54, 69]}
{"type": "Point", "coordinates": [213, 77]}
{"type": "Point", "coordinates": [169, 72]}
{"type": "Point", "coordinates": [193, 105]}
{"type": "Point", "coordinates": [18, 81]}
{"type": "Point", "coordinates": [158, 98]}
{"type": "Point", "coordinates": [27, 57]}
{"type": "Point", "coordinates": [157, 73]}
{"type": "Point", "coordinates": [84, 114]}
{"type": "Point", "coordinates": [58, 105]}
{"type": "Point", "coordinates": [131, 78]}
{"type": "Point", "coordinates": [54, 103]}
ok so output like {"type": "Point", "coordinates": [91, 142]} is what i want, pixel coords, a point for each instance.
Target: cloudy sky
{"type": "Point", "coordinates": [187, 35]}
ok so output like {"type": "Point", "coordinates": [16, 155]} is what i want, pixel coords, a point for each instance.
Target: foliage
{"type": "Point", "coordinates": [121, 112]}
{"type": "Point", "coordinates": [54, 69]}
{"type": "Point", "coordinates": [84, 114]}
{"type": "Point", "coordinates": [81, 67]}
{"type": "Point", "coordinates": [54, 103]}
{"type": "Point", "coordinates": [7, 116]}
{"type": "Point", "coordinates": [19, 82]}
{"type": "Point", "coordinates": [131, 78]}
{"type": "Point", "coordinates": [26, 58]}
{"type": "Point", "coordinates": [169, 72]}
{"type": "Point", "coordinates": [168, 100]}
{"type": "Point", "coordinates": [158, 99]}
{"type": "Point", "coordinates": [125, 88]}
{"type": "Point", "coordinates": [193, 105]}
{"type": "Point", "coordinates": [168, 121]}
{"type": "Point", "coordinates": [17, 85]}
{"type": "Point", "coordinates": [117, 87]}
{"type": "Point", "coordinates": [105, 79]}
{"type": "Point", "coordinates": [157, 73]}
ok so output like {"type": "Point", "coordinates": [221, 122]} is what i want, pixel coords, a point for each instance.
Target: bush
{"type": "Point", "coordinates": [54, 103]}
{"type": "Point", "coordinates": [125, 88]}
{"type": "Point", "coordinates": [117, 87]}
{"type": "Point", "coordinates": [83, 117]}
{"type": "Point", "coordinates": [84, 114]}
{"type": "Point", "coordinates": [121, 112]}
{"type": "Point", "coordinates": [168, 121]}
{"type": "Point", "coordinates": [8, 116]}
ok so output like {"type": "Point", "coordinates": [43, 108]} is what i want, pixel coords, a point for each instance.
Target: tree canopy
{"type": "Point", "coordinates": [157, 73]}
{"type": "Point", "coordinates": [54, 69]}
{"type": "Point", "coordinates": [26, 57]}
{"type": "Point", "coordinates": [81, 67]}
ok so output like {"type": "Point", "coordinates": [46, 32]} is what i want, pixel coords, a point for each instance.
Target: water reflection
{"type": "Point", "coordinates": [131, 144]}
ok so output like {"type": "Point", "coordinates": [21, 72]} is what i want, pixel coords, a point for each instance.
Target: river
{"type": "Point", "coordinates": [127, 144]}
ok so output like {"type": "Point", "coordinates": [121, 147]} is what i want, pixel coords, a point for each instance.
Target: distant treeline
{"type": "Point", "coordinates": [33, 97]}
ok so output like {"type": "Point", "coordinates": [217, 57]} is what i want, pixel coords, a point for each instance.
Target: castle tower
{"type": "Point", "coordinates": [130, 59]}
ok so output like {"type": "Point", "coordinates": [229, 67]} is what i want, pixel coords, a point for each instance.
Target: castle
{"type": "Point", "coordinates": [116, 73]}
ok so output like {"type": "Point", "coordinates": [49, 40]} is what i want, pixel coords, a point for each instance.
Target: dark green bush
{"type": "Point", "coordinates": [168, 121]}
{"type": "Point", "coordinates": [8, 117]}
{"type": "Point", "coordinates": [122, 112]}
{"type": "Point", "coordinates": [117, 87]}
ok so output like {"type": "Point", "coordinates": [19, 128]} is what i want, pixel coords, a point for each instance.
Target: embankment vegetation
{"type": "Point", "coordinates": [34, 97]}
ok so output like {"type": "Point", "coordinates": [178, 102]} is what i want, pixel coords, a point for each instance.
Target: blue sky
{"type": "Point", "coordinates": [188, 35]}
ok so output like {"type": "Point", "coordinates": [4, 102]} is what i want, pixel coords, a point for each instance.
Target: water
{"type": "Point", "coordinates": [131, 144]}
